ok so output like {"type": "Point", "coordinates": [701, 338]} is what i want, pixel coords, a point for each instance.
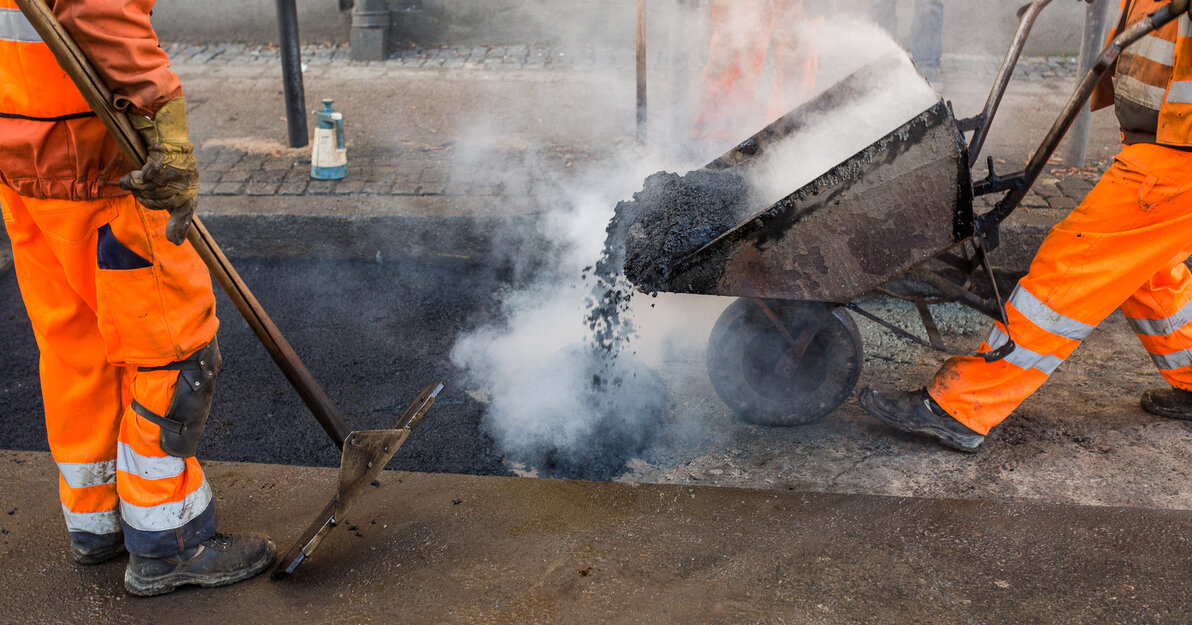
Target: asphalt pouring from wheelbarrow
{"type": "Point", "coordinates": [756, 361]}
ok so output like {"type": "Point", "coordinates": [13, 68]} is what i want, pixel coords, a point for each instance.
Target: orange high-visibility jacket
{"type": "Point", "coordinates": [1155, 72]}
{"type": "Point", "coordinates": [51, 145]}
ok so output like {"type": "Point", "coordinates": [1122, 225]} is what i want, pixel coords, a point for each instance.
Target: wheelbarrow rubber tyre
{"type": "Point", "coordinates": [745, 352]}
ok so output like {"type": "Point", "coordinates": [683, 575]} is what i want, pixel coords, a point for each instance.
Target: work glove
{"type": "Point", "coordinates": [169, 180]}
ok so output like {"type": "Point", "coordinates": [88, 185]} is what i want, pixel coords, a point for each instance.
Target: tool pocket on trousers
{"type": "Point", "coordinates": [131, 317]}
{"type": "Point", "coordinates": [110, 253]}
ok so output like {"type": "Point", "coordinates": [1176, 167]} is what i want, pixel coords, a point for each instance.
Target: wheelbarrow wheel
{"type": "Point", "coordinates": [758, 371]}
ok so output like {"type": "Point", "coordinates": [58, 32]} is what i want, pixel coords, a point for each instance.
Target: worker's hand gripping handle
{"type": "Point", "coordinates": [169, 180]}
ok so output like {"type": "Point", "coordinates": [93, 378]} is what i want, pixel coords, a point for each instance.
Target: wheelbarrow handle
{"type": "Point", "coordinates": [1019, 185]}
{"type": "Point", "coordinates": [76, 65]}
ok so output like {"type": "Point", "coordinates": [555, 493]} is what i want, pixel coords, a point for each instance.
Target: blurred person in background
{"type": "Point", "coordinates": [927, 28]}
{"type": "Point", "coordinates": [743, 33]}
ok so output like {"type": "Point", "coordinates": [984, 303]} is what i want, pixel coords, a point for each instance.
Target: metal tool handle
{"type": "Point", "coordinates": [75, 63]}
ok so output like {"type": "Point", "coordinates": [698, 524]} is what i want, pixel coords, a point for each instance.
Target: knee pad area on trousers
{"type": "Point", "coordinates": [183, 423]}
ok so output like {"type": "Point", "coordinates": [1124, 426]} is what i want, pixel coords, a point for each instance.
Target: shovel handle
{"type": "Point", "coordinates": [76, 65]}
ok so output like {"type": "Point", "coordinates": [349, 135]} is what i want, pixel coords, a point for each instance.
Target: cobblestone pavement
{"type": "Point", "coordinates": [539, 56]}
{"type": "Point", "coordinates": [432, 171]}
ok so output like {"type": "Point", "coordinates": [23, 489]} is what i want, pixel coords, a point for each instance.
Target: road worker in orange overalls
{"type": "Point", "coordinates": [121, 305]}
{"type": "Point", "coordinates": [1123, 247]}
{"type": "Point", "coordinates": [743, 32]}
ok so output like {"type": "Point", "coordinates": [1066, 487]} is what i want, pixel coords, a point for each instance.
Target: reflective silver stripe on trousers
{"type": "Point", "coordinates": [148, 467]}
{"type": "Point", "coordinates": [1168, 362]}
{"type": "Point", "coordinates": [1162, 327]}
{"type": "Point", "coordinates": [1022, 357]}
{"type": "Point", "coordinates": [107, 522]}
{"type": "Point", "coordinates": [1043, 316]}
{"type": "Point", "coordinates": [14, 27]}
{"type": "Point", "coordinates": [1155, 49]}
{"type": "Point", "coordinates": [88, 474]}
{"type": "Point", "coordinates": [167, 516]}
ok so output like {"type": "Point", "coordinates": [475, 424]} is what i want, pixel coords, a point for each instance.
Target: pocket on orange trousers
{"type": "Point", "coordinates": [131, 317]}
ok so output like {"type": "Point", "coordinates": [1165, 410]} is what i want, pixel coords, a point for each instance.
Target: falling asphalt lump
{"type": "Point", "coordinates": [673, 216]}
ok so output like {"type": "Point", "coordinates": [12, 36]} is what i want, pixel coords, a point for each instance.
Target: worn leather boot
{"type": "Point", "coordinates": [917, 413]}
{"type": "Point", "coordinates": [220, 560]}
{"type": "Point", "coordinates": [1173, 403]}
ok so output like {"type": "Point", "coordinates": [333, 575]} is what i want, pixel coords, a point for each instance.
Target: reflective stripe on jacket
{"type": "Point", "coordinates": [1155, 73]}
{"type": "Point", "coordinates": [51, 145]}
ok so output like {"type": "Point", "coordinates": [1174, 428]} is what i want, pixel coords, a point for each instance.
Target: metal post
{"type": "Point", "coordinates": [680, 37]}
{"type": "Point", "coordinates": [641, 72]}
{"type": "Point", "coordinates": [370, 30]}
{"type": "Point", "coordinates": [1095, 23]}
{"type": "Point", "coordinates": [291, 72]}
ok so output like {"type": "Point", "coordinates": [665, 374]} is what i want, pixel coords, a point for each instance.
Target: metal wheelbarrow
{"type": "Point", "coordinates": [787, 352]}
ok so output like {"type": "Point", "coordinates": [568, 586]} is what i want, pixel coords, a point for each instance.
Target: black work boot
{"type": "Point", "coordinates": [1173, 403]}
{"type": "Point", "coordinates": [220, 560]}
{"type": "Point", "coordinates": [93, 549]}
{"type": "Point", "coordinates": [917, 413]}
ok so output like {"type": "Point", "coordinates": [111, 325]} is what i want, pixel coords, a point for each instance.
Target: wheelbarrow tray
{"type": "Point", "coordinates": [899, 202]}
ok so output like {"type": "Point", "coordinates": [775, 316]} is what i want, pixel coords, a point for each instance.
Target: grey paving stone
{"type": "Point", "coordinates": [228, 188]}
{"type": "Point", "coordinates": [321, 187]}
{"type": "Point", "coordinates": [269, 176]}
{"type": "Point", "coordinates": [457, 188]}
{"type": "Point", "coordinates": [1075, 187]}
{"type": "Point", "coordinates": [293, 187]}
{"type": "Point", "coordinates": [432, 188]}
{"type": "Point", "coordinates": [1062, 202]}
{"type": "Point", "coordinates": [488, 189]}
{"type": "Point", "coordinates": [404, 186]}
{"type": "Point", "coordinates": [350, 185]}
{"type": "Point", "coordinates": [235, 174]}
{"type": "Point", "coordinates": [298, 173]}
{"type": "Point", "coordinates": [1046, 190]}
{"type": "Point", "coordinates": [262, 188]}
{"type": "Point", "coordinates": [1032, 200]}
{"type": "Point", "coordinates": [377, 186]}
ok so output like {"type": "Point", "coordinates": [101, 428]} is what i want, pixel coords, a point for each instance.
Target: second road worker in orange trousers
{"type": "Point", "coordinates": [743, 32]}
{"type": "Point", "coordinates": [121, 304]}
{"type": "Point", "coordinates": [1123, 247]}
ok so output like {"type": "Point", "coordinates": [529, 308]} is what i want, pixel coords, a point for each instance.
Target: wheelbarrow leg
{"type": "Point", "coordinates": [798, 344]}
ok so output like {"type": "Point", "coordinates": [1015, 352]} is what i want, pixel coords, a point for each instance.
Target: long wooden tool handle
{"type": "Point", "coordinates": [99, 97]}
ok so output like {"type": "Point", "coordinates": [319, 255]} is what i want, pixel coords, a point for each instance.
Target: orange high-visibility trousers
{"type": "Point", "coordinates": [1123, 247]}
{"type": "Point", "coordinates": [743, 30]}
{"type": "Point", "coordinates": [106, 293]}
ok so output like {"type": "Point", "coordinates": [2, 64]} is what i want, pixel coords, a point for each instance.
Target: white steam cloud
{"type": "Point", "coordinates": [537, 370]}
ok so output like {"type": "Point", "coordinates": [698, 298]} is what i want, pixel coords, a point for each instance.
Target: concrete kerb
{"type": "Point", "coordinates": [440, 548]}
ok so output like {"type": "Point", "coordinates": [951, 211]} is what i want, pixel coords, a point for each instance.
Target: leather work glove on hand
{"type": "Point", "coordinates": [169, 180]}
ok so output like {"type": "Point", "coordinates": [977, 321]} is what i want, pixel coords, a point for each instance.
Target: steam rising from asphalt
{"type": "Point", "coordinates": [565, 408]}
